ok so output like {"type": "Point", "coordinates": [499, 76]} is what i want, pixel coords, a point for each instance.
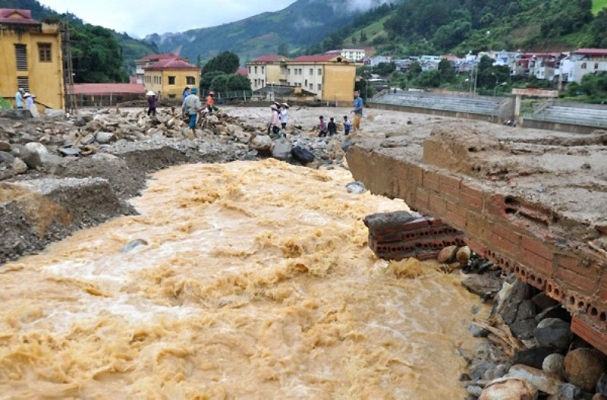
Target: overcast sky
{"type": "Point", "coordinates": [142, 17]}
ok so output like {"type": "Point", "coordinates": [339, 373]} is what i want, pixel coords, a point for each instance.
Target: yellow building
{"type": "Point", "coordinates": [31, 58]}
{"type": "Point", "coordinates": [168, 78]}
{"type": "Point", "coordinates": [268, 70]}
{"type": "Point", "coordinates": [331, 77]}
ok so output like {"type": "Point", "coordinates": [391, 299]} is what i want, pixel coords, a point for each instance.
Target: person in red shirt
{"type": "Point", "coordinates": [211, 102]}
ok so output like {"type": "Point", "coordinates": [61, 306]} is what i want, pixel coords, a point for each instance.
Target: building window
{"type": "Point", "coordinates": [596, 65]}
{"type": "Point", "coordinates": [23, 82]}
{"type": "Point", "coordinates": [172, 96]}
{"type": "Point", "coordinates": [319, 71]}
{"type": "Point", "coordinates": [261, 82]}
{"type": "Point", "coordinates": [584, 66]}
{"type": "Point", "coordinates": [311, 86]}
{"type": "Point", "coordinates": [262, 68]}
{"type": "Point", "coordinates": [44, 52]}
{"type": "Point", "coordinates": [289, 71]}
{"type": "Point", "coordinates": [300, 72]}
{"type": "Point", "coordinates": [21, 56]}
{"type": "Point", "coordinates": [190, 80]}
{"type": "Point", "coordinates": [311, 71]}
{"type": "Point", "coordinates": [171, 80]}
{"type": "Point", "coordinates": [256, 69]}
{"type": "Point", "coordinates": [319, 86]}
{"type": "Point", "coordinates": [306, 83]}
{"type": "Point", "coordinates": [249, 70]}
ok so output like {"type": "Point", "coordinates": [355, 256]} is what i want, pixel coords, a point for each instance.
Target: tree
{"type": "Point", "coordinates": [97, 56]}
{"type": "Point", "coordinates": [446, 71]}
{"type": "Point", "coordinates": [207, 79]}
{"type": "Point", "coordinates": [220, 83]}
{"type": "Point", "coordinates": [238, 82]}
{"type": "Point", "coordinates": [384, 69]}
{"type": "Point", "coordinates": [226, 62]}
{"type": "Point", "coordinates": [198, 61]}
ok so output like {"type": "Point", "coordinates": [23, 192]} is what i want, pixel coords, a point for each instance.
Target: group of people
{"type": "Point", "coordinates": [279, 118]}
{"type": "Point", "coordinates": [22, 95]}
{"type": "Point", "coordinates": [190, 104]}
{"type": "Point", "coordinates": [330, 129]}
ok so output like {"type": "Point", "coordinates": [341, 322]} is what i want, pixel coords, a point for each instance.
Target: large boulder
{"type": "Point", "coordinates": [37, 148]}
{"type": "Point", "coordinates": [506, 388]}
{"type": "Point", "coordinates": [555, 364]}
{"type": "Point", "coordinates": [584, 367]}
{"type": "Point", "coordinates": [104, 137]}
{"type": "Point", "coordinates": [261, 143]}
{"type": "Point", "coordinates": [281, 149]}
{"type": "Point", "coordinates": [31, 158]}
{"type": "Point", "coordinates": [533, 357]}
{"type": "Point", "coordinates": [544, 382]}
{"type": "Point", "coordinates": [553, 333]}
{"type": "Point", "coordinates": [19, 166]}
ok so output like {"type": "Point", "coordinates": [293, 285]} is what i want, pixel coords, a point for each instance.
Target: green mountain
{"type": "Point", "coordinates": [460, 26]}
{"type": "Point", "coordinates": [301, 24]}
{"type": "Point", "coordinates": [99, 54]}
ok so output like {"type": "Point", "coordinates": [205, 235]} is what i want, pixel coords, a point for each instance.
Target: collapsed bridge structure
{"type": "Point", "coordinates": [534, 202]}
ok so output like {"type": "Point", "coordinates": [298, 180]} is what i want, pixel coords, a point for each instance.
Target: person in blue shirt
{"type": "Point", "coordinates": [358, 110]}
{"type": "Point", "coordinates": [19, 98]}
{"type": "Point", "coordinates": [347, 125]}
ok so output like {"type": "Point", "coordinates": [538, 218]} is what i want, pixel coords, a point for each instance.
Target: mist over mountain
{"type": "Point", "coordinates": [301, 24]}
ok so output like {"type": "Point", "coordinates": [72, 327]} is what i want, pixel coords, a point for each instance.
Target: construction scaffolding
{"type": "Point", "coordinates": [71, 106]}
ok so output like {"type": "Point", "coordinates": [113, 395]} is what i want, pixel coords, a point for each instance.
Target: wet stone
{"type": "Point", "coordinates": [533, 357]}
{"type": "Point", "coordinates": [584, 367]}
{"type": "Point", "coordinates": [553, 333]}
{"type": "Point", "coordinates": [555, 364]}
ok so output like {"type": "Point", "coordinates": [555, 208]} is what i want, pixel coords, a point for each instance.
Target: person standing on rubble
{"type": "Point", "coordinates": [19, 98]}
{"type": "Point", "coordinates": [284, 115]}
{"type": "Point", "coordinates": [152, 103]}
{"type": "Point", "coordinates": [191, 108]}
{"type": "Point", "coordinates": [211, 102]}
{"type": "Point", "coordinates": [275, 120]}
{"type": "Point", "coordinates": [358, 111]}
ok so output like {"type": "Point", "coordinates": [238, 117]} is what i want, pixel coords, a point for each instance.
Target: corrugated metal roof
{"type": "Point", "coordinates": [591, 52]}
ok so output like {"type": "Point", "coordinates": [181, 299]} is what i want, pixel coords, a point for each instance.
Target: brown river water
{"type": "Point", "coordinates": [255, 283]}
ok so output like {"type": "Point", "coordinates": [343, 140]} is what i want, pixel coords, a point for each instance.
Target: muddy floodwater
{"type": "Point", "coordinates": [250, 281]}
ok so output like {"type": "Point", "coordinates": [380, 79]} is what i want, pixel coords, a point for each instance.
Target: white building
{"type": "Point", "coordinates": [375, 61]}
{"type": "Point", "coordinates": [582, 62]}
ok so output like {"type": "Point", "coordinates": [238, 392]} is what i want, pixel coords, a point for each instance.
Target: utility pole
{"type": "Point", "coordinates": [68, 69]}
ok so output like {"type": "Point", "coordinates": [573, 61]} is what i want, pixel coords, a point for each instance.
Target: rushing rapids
{"type": "Point", "coordinates": [242, 280]}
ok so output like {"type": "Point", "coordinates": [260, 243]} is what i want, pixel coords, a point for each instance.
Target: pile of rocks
{"type": "Point", "coordinates": [529, 349]}
{"type": "Point", "coordinates": [33, 144]}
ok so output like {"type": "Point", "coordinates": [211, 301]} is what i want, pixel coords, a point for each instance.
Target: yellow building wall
{"type": "Point", "coordinates": [45, 78]}
{"type": "Point", "coordinates": [273, 74]}
{"type": "Point", "coordinates": [338, 82]}
{"type": "Point", "coordinates": [166, 90]}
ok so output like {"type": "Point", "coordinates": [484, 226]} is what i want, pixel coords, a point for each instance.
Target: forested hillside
{"type": "Point", "coordinates": [99, 54]}
{"type": "Point", "coordinates": [301, 24]}
{"type": "Point", "coordinates": [461, 26]}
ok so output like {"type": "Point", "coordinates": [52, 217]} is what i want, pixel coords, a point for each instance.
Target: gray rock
{"type": "Point", "coordinates": [553, 333]}
{"type": "Point", "coordinates": [479, 371]}
{"type": "Point", "coordinates": [555, 364]}
{"type": "Point", "coordinates": [477, 331]}
{"type": "Point", "coordinates": [32, 159]}
{"type": "Point", "coordinates": [543, 301]}
{"type": "Point", "coordinates": [51, 113]}
{"type": "Point", "coordinates": [52, 160]}
{"type": "Point", "coordinates": [19, 166]}
{"type": "Point", "coordinates": [104, 137]}
{"type": "Point", "coordinates": [133, 245]}
{"type": "Point", "coordinates": [533, 357]}
{"type": "Point", "coordinates": [261, 142]}
{"type": "Point", "coordinates": [37, 148]}
{"type": "Point", "coordinates": [69, 151]}
{"type": "Point", "coordinates": [524, 324]}
{"type": "Point", "coordinates": [106, 157]}
{"type": "Point", "coordinates": [281, 149]}
{"type": "Point", "coordinates": [4, 146]}
{"type": "Point", "coordinates": [482, 284]}
{"type": "Point", "coordinates": [6, 159]}
{"type": "Point", "coordinates": [356, 187]}
{"type": "Point", "coordinates": [474, 391]}
{"type": "Point", "coordinates": [544, 382]}
{"type": "Point", "coordinates": [557, 311]}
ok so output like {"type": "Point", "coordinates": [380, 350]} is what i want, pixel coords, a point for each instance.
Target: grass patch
{"type": "Point", "coordinates": [598, 5]}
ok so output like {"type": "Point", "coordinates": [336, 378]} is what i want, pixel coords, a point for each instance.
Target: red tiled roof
{"type": "Point", "coordinates": [243, 71]}
{"type": "Point", "coordinates": [155, 57]}
{"type": "Point", "coordinates": [316, 58]}
{"type": "Point", "coordinates": [90, 89]}
{"type": "Point", "coordinates": [591, 52]}
{"type": "Point", "coordinates": [132, 79]}
{"type": "Point", "coordinates": [14, 16]}
{"type": "Point", "coordinates": [172, 63]}
{"type": "Point", "coordinates": [270, 58]}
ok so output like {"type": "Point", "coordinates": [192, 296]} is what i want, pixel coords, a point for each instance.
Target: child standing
{"type": "Point", "coordinates": [347, 125]}
{"type": "Point", "coordinates": [322, 127]}
{"type": "Point", "coordinates": [332, 127]}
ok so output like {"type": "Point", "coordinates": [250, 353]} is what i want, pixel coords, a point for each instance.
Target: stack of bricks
{"type": "Point", "coordinates": [399, 235]}
{"type": "Point", "coordinates": [511, 232]}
